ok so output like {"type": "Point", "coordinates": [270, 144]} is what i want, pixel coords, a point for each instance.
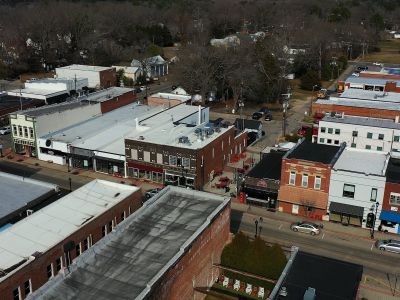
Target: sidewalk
{"type": "Point", "coordinates": [356, 232]}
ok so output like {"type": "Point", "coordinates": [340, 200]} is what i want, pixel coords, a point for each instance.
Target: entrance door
{"type": "Point", "coordinates": [295, 209]}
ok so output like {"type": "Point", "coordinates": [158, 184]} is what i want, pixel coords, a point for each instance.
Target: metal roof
{"type": "Point", "coordinates": [370, 80]}
{"type": "Point", "coordinates": [85, 68]}
{"type": "Point", "coordinates": [363, 121]}
{"type": "Point", "coordinates": [360, 103]}
{"type": "Point", "coordinates": [130, 261]}
{"type": "Point", "coordinates": [106, 94]}
{"type": "Point", "coordinates": [370, 95]}
{"type": "Point", "coordinates": [52, 224]}
{"type": "Point", "coordinates": [53, 108]}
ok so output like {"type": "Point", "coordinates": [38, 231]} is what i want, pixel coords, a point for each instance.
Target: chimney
{"type": "Point", "coordinates": [199, 121]}
{"type": "Point", "coordinates": [396, 120]}
{"type": "Point", "coordinates": [137, 123]}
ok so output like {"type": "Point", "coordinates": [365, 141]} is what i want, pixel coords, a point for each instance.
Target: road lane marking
{"type": "Point", "coordinates": [280, 226]}
{"type": "Point", "coordinates": [372, 246]}
{"type": "Point", "coordinates": [323, 236]}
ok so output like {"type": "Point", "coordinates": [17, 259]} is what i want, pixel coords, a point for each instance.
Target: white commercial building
{"type": "Point", "coordinates": [357, 186]}
{"type": "Point", "coordinates": [98, 77]}
{"type": "Point", "coordinates": [360, 132]}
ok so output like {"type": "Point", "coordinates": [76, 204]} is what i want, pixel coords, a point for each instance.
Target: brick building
{"type": "Point", "coordinates": [164, 251]}
{"type": "Point", "coordinates": [37, 248]}
{"type": "Point", "coordinates": [305, 179]}
{"type": "Point", "coordinates": [390, 214]}
{"type": "Point", "coordinates": [370, 83]}
{"type": "Point", "coordinates": [182, 154]}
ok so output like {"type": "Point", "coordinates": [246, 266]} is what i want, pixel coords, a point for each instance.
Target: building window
{"type": "Point", "coordinates": [355, 133]}
{"type": "Point", "coordinates": [123, 216]}
{"type": "Point", "coordinates": [179, 161]}
{"type": "Point", "coordinates": [381, 136]}
{"type": "Point", "coordinates": [337, 131]}
{"type": "Point", "coordinates": [17, 293]}
{"type": "Point", "coordinates": [374, 193]}
{"type": "Point", "coordinates": [50, 272]}
{"type": "Point", "coordinates": [28, 287]}
{"type": "Point", "coordinates": [186, 162]}
{"type": "Point", "coordinates": [368, 147]}
{"type": "Point", "coordinates": [292, 178]}
{"type": "Point", "coordinates": [369, 135]}
{"type": "Point", "coordinates": [31, 133]}
{"type": "Point", "coordinates": [378, 148]}
{"type": "Point", "coordinates": [134, 154]}
{"type": "Point", "coordinates": [323, 129]}
{"type": "Point", "coordinates": [336, 142]}
{"type": "Point", "coordinates": [78, 249]}
{"type": "Point", "coordinates": [172, 160]}
{"type": "Point", "coordinates": [394, 199]}
{"type": "Point", "coordinates": [20, 130]}
{"type": "Point", "coordinates": [104, 231]}
{"type": "Point", "coordinates": [304, 180]}
{"type": "Point", "coordinates": [329, 141]}
{"type": "Point", "coordinates": [353, 145]}
{"type": "Point", "coordinates": [159, 158]}
{"type": "Point", "coordinates": [146, 156]}
{"type": "Point", "coordinates": [321, 140]}
{"type": "Point", "coordinates": [110, 226]}
{"type": "Point", "coordinates": [317, 182]}
{"type": "Point", "coordinates": [330, 130]}
{"type": "Point", "coordinates": [85, 244]}
{"type": "Point", "coordinates": [58, 264]}
{"type": "Point", "coordinates": [213, 152]}
{"type": "Point", "coordinates": [15, 132]}
{"type": "Point", "coordinates": [26, 132]}
{"type": "Point", "coordinates": [348, 190]}
{"type": "Point", "coordinates": [222, 145]}
{"type": "Point", "coordinates": [396, 138]}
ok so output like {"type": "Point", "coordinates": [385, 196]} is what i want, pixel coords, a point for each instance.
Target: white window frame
{"type": "Point", "coordinates": [185, 162]}
{"type": "Point", "coordinates": [19, 292]}
{"type": "Point", "coordinates": [30, 287]}
{"type": "Point", "coordinates": [134, 154]}
{"type": "Point", "coordinates": [319, 180]}
{"type": "Point", "coordinates": [146, 156]}
{"type": "Point", "coordinates": [172, 160]}
{"type": "Point", "coordinates": [52, 271]}
{"type": "Point", "coordinates": [397, 199]}
{"type": "Point", "coordinates": [376, 194]}
{"type": "Point", "coordinates": [292, 175]}
{"type": "Point", "coordinates": [304, 176]}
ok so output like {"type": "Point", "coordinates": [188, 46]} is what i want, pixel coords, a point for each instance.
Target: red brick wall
{"type": "Point", "coordinates": [392, 87]}
{"type": "Point", "coordinates": [118, 102]}
{"type": "Point", "coordinates": [37, 270]}
{"type": "Point", "coordinates": [388, 76]}
{"type": "Point", "coordinates": [157, 101]}
{"type": "Point", "coordinates": [195, 268]}
{"type": "Point", "coordinates": [296, 194]}
{"type": "Point", "coordinates": [390, 187]}
{"type": "Point", "coordinates": [355, 111]}
{"type": "Point", "coordinates": [108, 78]}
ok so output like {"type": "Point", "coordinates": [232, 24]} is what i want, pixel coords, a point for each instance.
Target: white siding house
{"type": "Point", "coordinates": [357, 185]}
{"type": "Point", "coordinates": [360, 132]}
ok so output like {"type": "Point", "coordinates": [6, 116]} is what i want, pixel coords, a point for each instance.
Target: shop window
{"type": "Point", "coordinates": [323, 129]}
{"type": "Point", "coordinates": [172, 160]}
{"type": "Point", "coordinates": [17, 293]}
{"type": "Point", "coordinates": [185, 162]}
{"type": "Point", "coordinates": [317, 183]}
{"type": "Point", "coordinates": [396, 138]}
{"type": "Point", "coordinates": [50, 272]}
{"type": "Point", "coordinates": [368, 147]}
{"type": "Point", "coordinates": [348, 190]}
{"type": "Point", "coordinates": [374, 193]}
{"type": "Point", "coordinates": [292, 178]}
{"type": "Point", "coordinates": [321, 140]}
{"type": "Point", "coordinates": [394, 199]}
{"type": "Point", "coordinates": [304, 180]}
{"type": "Point", "coordinates": [355, 134]}
{"type": "Point", "coordinates": [27, 287]}
{"type": "Point", "coordinates": [146, 156]}
{"type": "Point", "coordinates": [190, 182]}
{"type": "Point", "coordinates": [369, 135]}
{"type": "Point", "coordinates": [330, 130]}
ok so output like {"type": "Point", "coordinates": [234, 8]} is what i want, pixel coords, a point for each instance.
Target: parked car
{"type": "Point", "coordinates": [388, 245]}
{"type": "Point", "coordinates": [356, 74]}
{"type": "Point", "coordinates": [257, 116]}
{"type": "Point", "coordinates": [151, 193]}
{"type": "Point", "coordinates": [249, 288]}
{"type": "Point", "coordinates": [261, 292]}
{"type": "Point", "coordinates": [5, 130]}
{"type": "Point", "coordinates": [236, 285]}
{"type": "Point", "coordinates": [264, 110]}
{"type": "Point", "coordinates": [306, 227]}
{"type": "Point", "coordinates": [303, 130]}
{"type": "Point", "coordinates": [268, 117]}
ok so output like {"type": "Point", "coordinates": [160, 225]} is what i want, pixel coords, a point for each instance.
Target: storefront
{"type": "Point", "coordinates": [390, 222]}
{"type": "Point", "coordinates": [182, 179]}
{"type": "Point", "coordinates": [145, 172]}
{"type": "Point", "coordinates": [81, 158]}
{"type": "Point", "coordinates": [110, 166]}
{"type": "Point", "coordinates": [346, 214]}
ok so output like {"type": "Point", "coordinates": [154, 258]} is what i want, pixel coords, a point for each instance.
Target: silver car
{"type": "Point", "coordinates": [306, 227]}
{"type": "Point", "coordinates": [388, 245]}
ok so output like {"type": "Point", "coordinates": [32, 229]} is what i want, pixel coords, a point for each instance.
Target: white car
{"type": "Point", "coordinates": [236, 286]}
{"type": "Point", "coordinates": [261, 292]}
{"type": "Point", "coordinates": [225, 282]}
{"type": "Point", "coordinates": [5, 130]}
{"type": "Point", "coordinates": [249, 288]}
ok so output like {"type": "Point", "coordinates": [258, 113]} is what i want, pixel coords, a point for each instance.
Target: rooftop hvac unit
{"type": "Point", "coordinates": [183, 140]}
{"type": "Point", "coordinates": [29, 212]}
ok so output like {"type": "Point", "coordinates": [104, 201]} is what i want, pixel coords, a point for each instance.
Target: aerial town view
{"type": "Point", "coordinates": [200, 149]}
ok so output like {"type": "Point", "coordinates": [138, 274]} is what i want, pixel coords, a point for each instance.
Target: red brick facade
{"type": "Point", "coordinates": [36, 270]}
{"type": "Point", "coordinates": [108, 78]}
{"type": "Point", "coordinates": [117, 102]}
{"type": "Point", "coordinates": [390, 187]}
{"type": "Point", "coordinates": [195, 269]}
{"type": "Point", "coordinates": [379, 75]}
{"type": "Point", "coordinates": [309, 201]}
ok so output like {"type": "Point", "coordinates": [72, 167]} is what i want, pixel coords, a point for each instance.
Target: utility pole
{"type": "Point", "coordinates": [20, 99]}
{"type": "Point", "coordinates": [320, 62]}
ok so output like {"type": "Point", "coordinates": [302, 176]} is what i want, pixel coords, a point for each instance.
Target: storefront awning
{"type": "Point", "coordinates": [145, 167]}
{"type": "Point", "coordinates": [346, 209]}
{"type": "Point", "coordinates": [390, 216]}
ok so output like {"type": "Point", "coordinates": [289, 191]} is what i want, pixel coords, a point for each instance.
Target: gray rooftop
{"type": "Point", "coordinates": [130, 260]}
{"type": "Point", "coordinates": [85, 68]}
{"type": "Point", "coordinates": [360, 103]}
{"type": "Point", "coordinates": [53, 108]}
{"type": "Point", "coordinates": [363, 121]}
{"type": "Point", "coordinates": [370, 80]}
{"type": "Point", "coordinates": [370, 95]}
{"type": "Point", "coordinates": [17, 192]}
{"type": "Point", "coordinates": [107, 94]}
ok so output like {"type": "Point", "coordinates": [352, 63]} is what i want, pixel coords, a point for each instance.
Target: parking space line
{"type": "Point", "coordinates": [372, 246]}
{"type": "Point", "coordinates": [323, 236]}
{"type": "Point", "coordinates": [280, 226]}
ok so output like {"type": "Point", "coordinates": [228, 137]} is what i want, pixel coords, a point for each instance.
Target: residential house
{"type": "Point", "coordinates": [305, 178]}
{"type": "Point", "coordinates": [154, 66]}
{"type": "Point", "coordinates": [130, 72]}
{"type": "Point", "coordinates": [357, 186]}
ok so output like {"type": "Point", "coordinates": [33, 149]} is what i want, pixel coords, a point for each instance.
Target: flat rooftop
{"type": "Point", "coordinates": [362, 161]}
{"type": "Point", "coordinates": [308, 151]}
{"type": "Point", "coordinates": [370, 95]}
{"type": "Point", "coordinates": [371, 104]}
{"type": "Point", "coordinates": [370, 80]}
{"type": "Point", "coordinates": [17, 192]}
{"type": "Point", "coordinates": [85, 68]}
{"type": "Point", "coordinates": [52, 224]}
{"type": "Point", "coordinates": [57, 80]}
{"type": "Point", "coordinates": [53, 108]}
{"type": "Point", "coordinates": [393, 170]}
{"type": "Point", "coordinates": [12, 103]}
{"type": "Point", "coordinates": [30, 92]}
{"type": "Point", "coordinates": [107, 94]}
{"type": "Point", "coordinates": [269, 167]}
{"type": "Point", "coordinates": [363, 121]}
{"type": "Point", "coordinates": [332, 279]}
{"type": "Point", "coordinates": [132, 258]}
{"type": "Point", "coordinates": [172, 96]}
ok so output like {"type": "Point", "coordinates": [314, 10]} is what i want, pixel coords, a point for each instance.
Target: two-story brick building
{"type": "Point", "coordinates": [305, 178]}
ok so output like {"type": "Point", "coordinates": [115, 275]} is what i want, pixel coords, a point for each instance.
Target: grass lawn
{"type": "Point", "coordinates": [390, 53]}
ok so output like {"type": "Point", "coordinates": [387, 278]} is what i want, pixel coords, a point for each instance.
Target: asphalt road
{"type": "Point", "coordinates": [330, 244]}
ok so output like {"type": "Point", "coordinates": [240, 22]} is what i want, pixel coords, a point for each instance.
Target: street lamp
{"type": "Point", "coordinates": [373, 208]}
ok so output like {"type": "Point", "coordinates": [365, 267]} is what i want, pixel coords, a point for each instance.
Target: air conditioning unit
{"type": "Point", "coordinates": [29, 212]}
